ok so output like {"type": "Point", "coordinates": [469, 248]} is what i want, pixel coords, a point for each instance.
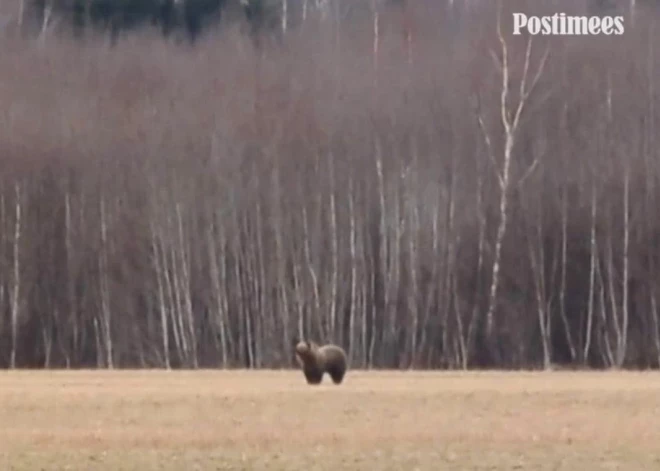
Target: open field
{"type": "Point", "coordinates": [213, 420]}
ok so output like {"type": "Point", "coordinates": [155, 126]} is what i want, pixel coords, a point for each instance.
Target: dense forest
{"type": "Point", "coordinates": [197, 183]}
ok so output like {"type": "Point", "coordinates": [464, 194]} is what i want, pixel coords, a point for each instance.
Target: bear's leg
{"type": "Point", "coordinates": [313, 376]}
{"type": "Point", "coordinates": [337, 374]}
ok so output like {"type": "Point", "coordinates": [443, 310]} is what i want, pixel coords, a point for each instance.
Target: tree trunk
{"type": "Point", "coordinates": [16, 280]}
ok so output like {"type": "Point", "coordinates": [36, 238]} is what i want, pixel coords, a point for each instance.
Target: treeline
{"type": "Point", "coordinates": [177, 19]}
{"type": "Point", "coordinates": [403, 183]}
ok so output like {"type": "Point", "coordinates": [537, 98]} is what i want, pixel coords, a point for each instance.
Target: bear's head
{"type": "Point", "coordinates": [306, 350]}
{"type": "Point", "coordinates": [303, 348]}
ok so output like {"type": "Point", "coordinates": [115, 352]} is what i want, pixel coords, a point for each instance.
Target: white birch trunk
{"type": "Point", "coordinates": [16, 279]}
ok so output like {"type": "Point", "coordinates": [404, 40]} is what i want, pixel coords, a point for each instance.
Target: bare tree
{"type": "Point", "coordinates": [16, 272]}
{"type": "Point", "coordinates": [510, 119]}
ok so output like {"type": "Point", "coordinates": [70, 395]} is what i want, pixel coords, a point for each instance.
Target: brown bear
{"type": "Point", "coordinates": [317, 360]}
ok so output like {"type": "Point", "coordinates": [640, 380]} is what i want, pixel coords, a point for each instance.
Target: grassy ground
{"type": "Point", "coordinates": [213, 420]}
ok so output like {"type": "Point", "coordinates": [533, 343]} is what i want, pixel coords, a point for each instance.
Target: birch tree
{"type": "Point", "coordinates": [15, 294]}
{"type": "Point", "coordinates": [510, 116]}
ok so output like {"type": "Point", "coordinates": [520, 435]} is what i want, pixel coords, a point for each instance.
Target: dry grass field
{"type": "Point", "coordinates": [214, 420]}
